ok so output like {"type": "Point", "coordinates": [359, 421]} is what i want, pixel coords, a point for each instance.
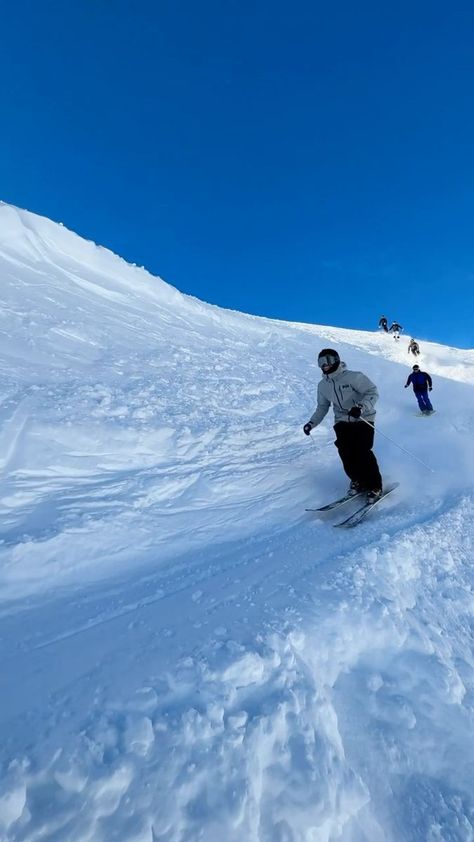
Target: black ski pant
{"type": "Point", "coordinates": [423, 400]}
{"type": "Point", "coordinates": [354, 441]}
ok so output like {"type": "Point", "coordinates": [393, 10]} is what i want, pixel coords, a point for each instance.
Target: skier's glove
{"type": "Point", "coordinates": [307, 429]}
{"type": "Point", "coordinates": [406, 385]}
{"type": "Point", "coordinates": [355, 412]}
{"type": "Point", "coordinates": [430, 389]}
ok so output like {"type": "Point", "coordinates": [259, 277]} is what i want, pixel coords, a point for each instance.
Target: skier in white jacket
{"type": "Point", "coordinates": [353, 397]}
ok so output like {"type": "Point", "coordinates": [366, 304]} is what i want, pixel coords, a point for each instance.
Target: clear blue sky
{"type": "Point", "coordinates": [310, 161]}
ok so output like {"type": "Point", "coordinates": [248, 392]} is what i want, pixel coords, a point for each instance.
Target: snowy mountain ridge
{"type": "Point", "coordinates": [186, 654]}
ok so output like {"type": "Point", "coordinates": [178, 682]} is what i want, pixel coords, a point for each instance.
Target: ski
{"type": "Point", "coordinates": [426, 413]}
{"type": "Point", "coordinates": [360, 514]}
{"type": "Point", "coordinates": [336, 503]}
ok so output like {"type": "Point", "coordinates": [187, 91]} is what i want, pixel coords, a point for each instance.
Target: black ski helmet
{"type": "Point", "coordinates": [329, 357]}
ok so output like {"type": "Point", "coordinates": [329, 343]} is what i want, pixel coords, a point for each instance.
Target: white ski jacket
{"type": "Point", "coordinates": [345, 389]}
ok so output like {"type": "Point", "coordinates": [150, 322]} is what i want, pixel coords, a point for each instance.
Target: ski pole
{"type": "Point", "coordinates": [318, 447]}
{"type": "Point", "coordinates": [311, 437]}
{"type": "Point", "coordinates": [408, 452]}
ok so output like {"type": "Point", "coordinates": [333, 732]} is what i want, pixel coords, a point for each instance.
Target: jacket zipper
{"type": "Point", "coordinates": [337, 396]}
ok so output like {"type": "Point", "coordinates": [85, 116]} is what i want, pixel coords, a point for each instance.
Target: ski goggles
{"type": "Point", "coordinates": [327, 360]}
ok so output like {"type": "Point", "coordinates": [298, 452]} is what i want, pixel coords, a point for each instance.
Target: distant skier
{"type": "Point", "coordinates": [395, 329]}
{"type": "Point", "coordinates": [353, 397]}
{"type": "Point", "coordinates": [422, 384]}
{"type": "Point", "coordinates": [413, 348]}
{"type": "Point", "coordinates": [383, 324]}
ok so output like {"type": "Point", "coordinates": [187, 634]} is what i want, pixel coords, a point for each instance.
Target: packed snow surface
{"type": "Point", "coordinates": [186, 654]}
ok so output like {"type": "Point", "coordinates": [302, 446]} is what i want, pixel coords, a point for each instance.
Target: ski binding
{"type": "Point", "coordinates": [336, 503]}
{"type": "Point", "coordinates": [361, 513]}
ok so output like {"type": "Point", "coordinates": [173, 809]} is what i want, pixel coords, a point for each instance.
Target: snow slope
{"type": "Point", "coordinates": [186, 654]}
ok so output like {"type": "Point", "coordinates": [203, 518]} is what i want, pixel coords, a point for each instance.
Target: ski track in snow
{"type": "Point", "coordinates": [186, 654]}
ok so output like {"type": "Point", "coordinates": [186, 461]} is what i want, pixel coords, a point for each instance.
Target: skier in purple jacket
{"type": "Point", "coordinates": [422, 383]}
